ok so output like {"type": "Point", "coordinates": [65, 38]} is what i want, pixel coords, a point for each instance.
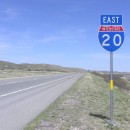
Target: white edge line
{"type": "Point", "coordinates": [4, 95]}
{"type": "Point", "coordinates": [25, 77]}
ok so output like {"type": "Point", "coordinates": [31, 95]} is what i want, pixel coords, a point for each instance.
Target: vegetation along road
{"type": "Point", "coordinates": [85, 107]}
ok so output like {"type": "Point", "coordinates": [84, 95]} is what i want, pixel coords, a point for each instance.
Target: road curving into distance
{"type": "Point", "coordinates": [22, 99]}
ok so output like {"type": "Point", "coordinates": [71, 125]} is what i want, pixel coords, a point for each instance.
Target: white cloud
{"type": "Point", "coordinates": [70, 35]}
{"type": "Point", "coordinates": [50, 39]}
{"type": "Point", "coordinates": [75, 9]}
{"type": "Point", "coordinates": [79, 5]}
{"type": "Point", "coordinates": [9, 13]}
{"type": "Point", "coordinates": [97, 56]}
{"type": "Point", "coordinates": [107, 56]}
{"type": "Point", "coordinates": [74, 32]}
{"type": "Point", "coordinates": [4, 47]}
{"type": "Point", "coordinates": [122, 56]}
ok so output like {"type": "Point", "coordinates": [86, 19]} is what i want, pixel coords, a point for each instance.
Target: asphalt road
{"type": "Point", "coordinates": [22, 99]}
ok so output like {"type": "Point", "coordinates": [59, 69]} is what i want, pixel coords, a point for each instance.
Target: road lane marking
{"type": "Point", "coordinates": [1, 79]}
{"type": "Point", "coordinates": [13, 82]}
{"type": "Point", "coordinates": [4, 95]}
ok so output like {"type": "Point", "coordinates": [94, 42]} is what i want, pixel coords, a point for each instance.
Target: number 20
{"type": "Point", "coordinates": [107, 37]}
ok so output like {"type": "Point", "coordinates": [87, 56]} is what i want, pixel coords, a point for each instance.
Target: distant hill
{"type": "Point", "coordinates": [37, 67]}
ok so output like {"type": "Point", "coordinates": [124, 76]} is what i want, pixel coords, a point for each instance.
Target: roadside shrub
{"type": "Point", "coordinates": [119, 81]}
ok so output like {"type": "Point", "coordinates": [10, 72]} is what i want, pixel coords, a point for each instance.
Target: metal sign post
{"type": "Point", "coordinates": [111, 89]}
{"type": "Point", "coordinates": [111, 38]}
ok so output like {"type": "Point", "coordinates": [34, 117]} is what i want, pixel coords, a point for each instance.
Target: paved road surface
{"type": "Point", "coordinates": [22, 99]}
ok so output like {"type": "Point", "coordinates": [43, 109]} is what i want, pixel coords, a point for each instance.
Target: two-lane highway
{"type": "Point", "coordinates": [22, 99]}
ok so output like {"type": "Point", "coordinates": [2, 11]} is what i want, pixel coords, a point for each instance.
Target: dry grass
{"type": "Point", "coordinates": [21, 73]}
{"type": "Point", "coordinates": [85, 107]}
{"type": "Point", "coordinates": [120, 80]}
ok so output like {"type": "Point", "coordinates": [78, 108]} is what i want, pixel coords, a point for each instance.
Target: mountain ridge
{"type": "Point", "coordinates": [38, 67]}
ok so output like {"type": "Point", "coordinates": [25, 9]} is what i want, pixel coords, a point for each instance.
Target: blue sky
{"type": "Point", "coordinates": [61, 32]}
